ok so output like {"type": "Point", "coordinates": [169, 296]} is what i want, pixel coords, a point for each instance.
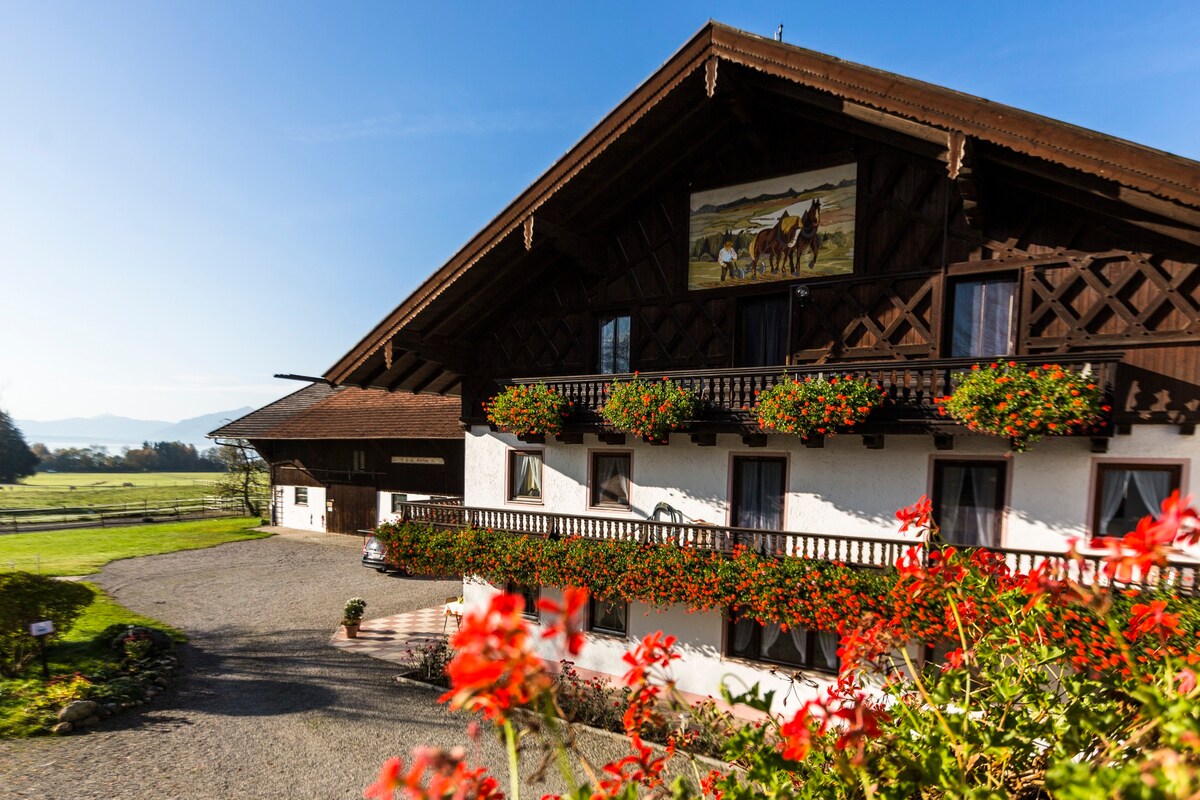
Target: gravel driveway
{"type": "Point", "coordinates": [265, 708]}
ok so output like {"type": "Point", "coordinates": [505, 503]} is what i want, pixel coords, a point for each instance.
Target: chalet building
{"type": "Point", "coordinates": [678, 238]}
{"type": "Point", "coordinates": [342, 459]}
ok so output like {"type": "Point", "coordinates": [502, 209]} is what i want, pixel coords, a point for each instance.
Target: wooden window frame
{"type": "Point", "coordinates": [1175, 465]}
{"type": "Point", "coordinates": [592, 603]}
{"type": "Point", "coordinates": [755, 646]}
{"type": "Point", "coordinates": [1005, 465]}
{"type": "Point", "coordinates": [591, 481]}
{"type": "Point", "coordinates": [952, 283]}
{"type": "Point", "coordinates": [394, 495]}
{"type": "Point", "coordinates": [510, 495]}
{"type": "Point", "coordinates": [731, 483]}
{"type": "Point", "coordinates": [296, 490]}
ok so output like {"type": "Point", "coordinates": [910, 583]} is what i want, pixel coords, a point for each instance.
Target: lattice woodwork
{"type": "Point", "coordinates": [885, 317]}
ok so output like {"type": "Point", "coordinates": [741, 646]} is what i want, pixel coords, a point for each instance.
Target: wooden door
{"type": "Point", "coordinates": [350, 509]}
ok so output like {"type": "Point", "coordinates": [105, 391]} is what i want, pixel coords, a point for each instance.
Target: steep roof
{"type": "Point", "coordinates": [1160, 181]}
{"type": "Point", "coordinates": [323, 412]}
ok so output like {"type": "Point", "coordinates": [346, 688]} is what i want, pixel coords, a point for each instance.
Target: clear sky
{"type": "Point", "coordinates": [194, 196]}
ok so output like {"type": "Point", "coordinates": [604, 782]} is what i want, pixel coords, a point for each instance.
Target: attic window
{"type": "Point", "coordinates": [614, 345]}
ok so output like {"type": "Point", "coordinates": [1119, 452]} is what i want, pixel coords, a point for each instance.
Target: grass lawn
{"type": "Point", "coordinates": [83, 551]}
{"type": "Point", "coordinates": [57, 489]}
{"type": "Point", "coordinates": [27, 704]}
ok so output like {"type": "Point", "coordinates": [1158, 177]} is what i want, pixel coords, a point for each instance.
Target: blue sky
{"type": "Point", "coordinates": [196, 196]}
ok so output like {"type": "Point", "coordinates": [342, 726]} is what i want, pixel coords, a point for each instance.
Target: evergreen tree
{"type": "Point", "coordinates": [16, 459]}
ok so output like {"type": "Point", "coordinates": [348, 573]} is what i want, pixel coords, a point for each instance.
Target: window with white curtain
{"type": "Point", "coordinates": [614, 345]}
{"type": "Point", "coordinates": [530, 595]}
{"type": "Point", "coordinates": [525, 475]}
{"type": "Point", "coordinates": [610, 480]}
{"type": "Point", "coordinates": [1127, 492]}
{"type": "Point", "coordinates": [758, 489]}
{"type": "Point", "coordinates": [968, 501]}
{"type": "Point", "coordinates": [984, 318]}
{"type": "Point", "coordinates": [608, 616]}
{"type": "Point", "coordinates": [796, 647]}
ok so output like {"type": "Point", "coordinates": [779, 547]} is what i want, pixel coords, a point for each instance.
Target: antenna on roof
{"type": "Point", "coordinates": [779, 33]}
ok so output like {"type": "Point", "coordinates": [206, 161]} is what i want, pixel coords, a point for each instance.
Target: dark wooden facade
{"type": "Point", "coordinates": [328, 462]}
{"type": "Point", "coordinates": [1106, 266]}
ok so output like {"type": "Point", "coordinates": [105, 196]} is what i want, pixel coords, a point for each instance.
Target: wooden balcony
{"type": "Point", "coordinates": [1182, 577]}
{"type": "Point", "coordinates": [728, 395]}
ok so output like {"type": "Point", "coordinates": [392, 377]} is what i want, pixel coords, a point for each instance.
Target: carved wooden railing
{"type": "Point", "coordinates": [908, 385]}
{"type": "Point", "coordinates": [1183, 576]}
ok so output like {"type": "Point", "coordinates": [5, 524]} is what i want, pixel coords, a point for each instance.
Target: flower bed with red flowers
{"type": "Point", "coordinates": [532, 409]}
{"type": "Point", "coordinates": [649, 409]}
{"type": "Point", "coordinates": [1023, 403]}
{"type": "Point", "coordinates": [816, 405]}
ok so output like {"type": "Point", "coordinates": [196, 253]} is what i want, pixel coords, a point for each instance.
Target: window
{"type": "Point", "coordinates": [525, 475]}
{"type": "Point", "coordinates": [983, 318]}
{"type": "Point", "coordinates": [397, 501]}
{"type": "Point", "coordinates": [610, 480]}
{"type": "Point", "coordinates": [359, 461]}
{"type": "Point", "coordinates": [796, 647]}
{"type": "Point", "coordinates": [1127, 492]}
{"type": "Point", "coordinates": [301, 497]}
{"type": "Point", "coordinates": [762, 325]}
{"type": "Point", "coordinates": [608, 616]}
{"type": "Point", "coordinates": [968, 501]}
{"type": "Point", "coordinates": [758, 488]}
{"type": "Point", "coordinates": [614, 345]}
{"type": "Point", "coordinates": [530, 594]}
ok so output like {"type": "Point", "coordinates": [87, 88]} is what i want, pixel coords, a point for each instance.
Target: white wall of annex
{"type": "Point", "coordinates": [309, 517]}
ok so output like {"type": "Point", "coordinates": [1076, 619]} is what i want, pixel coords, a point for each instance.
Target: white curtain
{"type": "Point", "coordinates": [1150, 488]}
{"type": "Point", "coordinates": [760, 494]}
{"type": "Point", "coordinates": [828, 642]}
{"type": "Point", "coordinates": [612, 480]}
{"type": "Point", "coordinates": [1116, 484]}
{"type": "Point", "coordinates": [743, 632]}
{"type": "Point", "coordinates": [970, 495]}
{"type": "Point", "coordinates": [951, 506]}
{"type": "Point", "coordinates": [985, 490]}
{"type": "Point", "coordinates": [529, 475]}
{"type": "Point", "coordinates": [983, 318]}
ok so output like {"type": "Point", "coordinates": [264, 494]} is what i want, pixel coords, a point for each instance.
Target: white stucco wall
{"type": "Point", "coordinates": [384, 505]}
{"type": "Point", "coordinates": [842, 488]}
{"type": "Point", "coordinates": [310, 517]}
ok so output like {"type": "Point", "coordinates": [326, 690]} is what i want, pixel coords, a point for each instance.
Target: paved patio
{"type": "Point", "coordinates": [394, 638]}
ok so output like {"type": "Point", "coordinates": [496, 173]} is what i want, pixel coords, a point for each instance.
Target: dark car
{"type": "Point", "coordinates": [375, 556]}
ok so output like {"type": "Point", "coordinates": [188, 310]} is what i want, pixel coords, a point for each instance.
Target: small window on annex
{"type": "Point", "coordinates": [359, 461]}
{"type": "Point", "coordinates": [398, 500]}
{"type": "Point", "coordinates": [301, 496]}
{"type": "Point", "coordinates": [614, 345]}
{"type": "Point", "coordinates": [529, 594]}
{"type": "Point", "coordinates": [608, 616]}
{"type": "Point", "coordinates": [968, 501]}
{"type": "Point", "coordinates": [525, 475]}
{"type": "Point", "coordinates": [984, 318]}
{"type": "Point", "coordinates": [1127, 492]}
{"type": "Point", "coordinates": [795, 647]}
{"type": "Point", "coordinates": [610, 480]}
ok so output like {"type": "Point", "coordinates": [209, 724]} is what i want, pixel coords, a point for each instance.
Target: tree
{"type": "Point", "coordinates": [245, 476]}
{"type": "Point", "coordinates": [16, 459]}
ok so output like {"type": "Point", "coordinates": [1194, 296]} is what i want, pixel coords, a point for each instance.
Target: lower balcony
{"type": "Point", "coordinates": [1182, 576]}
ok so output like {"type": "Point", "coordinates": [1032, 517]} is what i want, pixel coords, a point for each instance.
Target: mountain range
{"type": "Point", "coordinates": [112, 431]}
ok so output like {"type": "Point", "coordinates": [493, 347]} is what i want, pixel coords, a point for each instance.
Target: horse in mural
{"type": "Point", "coordinates": [787, 240]}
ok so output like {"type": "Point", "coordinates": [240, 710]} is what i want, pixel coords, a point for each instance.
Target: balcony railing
{"type": "Point", "coordinates": [910, 387]}
{"type": "Point", "coordinates": [1182, 577]}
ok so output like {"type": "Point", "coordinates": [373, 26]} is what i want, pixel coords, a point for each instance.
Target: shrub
{"type": "Point", "coordinates": [27, 598]}
{"type": "Point", "coordinates": [650, 410]}
{"type": "Point", "coordinates": [1023, 403]}
{"type": "Point", "coordinates": [535, 408]}
{"type": "Point", "coordinates": [353, 612]}
{"type": "Point", "coordinates": [816, 405]}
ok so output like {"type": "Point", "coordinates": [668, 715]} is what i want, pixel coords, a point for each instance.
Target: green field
{"type": "Point", "coordinates": [84, 550]}
{"type": "Point", "coordinates": [60, 489]}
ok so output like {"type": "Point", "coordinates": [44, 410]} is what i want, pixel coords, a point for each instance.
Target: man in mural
{"type": "Point", "coordinates": [727, 258]}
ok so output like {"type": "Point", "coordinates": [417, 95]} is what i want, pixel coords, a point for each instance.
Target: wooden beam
{"type": "Point", "coordinates": [568, 438]}
{"type": "Point", "coordinates": [873, 441]}
{"type": "Point", "coordinates": [943, 441]}
{"type": "Point", "coordinates": [704, 439]}
{"type": "Point", "coordinates": [754, 439]}
{"type": "Point", "coordinates": [1099, 444]}
{"type": "Point", "coordinates": [816, 442]}
{"type": "Point", "coordinates": [613, 438]}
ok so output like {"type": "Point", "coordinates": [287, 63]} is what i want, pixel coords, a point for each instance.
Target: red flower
{"type": "Point", "coordinates": [573, 601]}
{"type": "Point", "coordinates": [919, 514]}
{"type": "Point", "coordinates": [796, 735]}
{"type": "Point", "coordinates": [1144, 618]}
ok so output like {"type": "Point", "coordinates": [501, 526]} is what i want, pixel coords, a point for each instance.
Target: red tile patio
{"type": "Point", "coordinates": [394, 638]}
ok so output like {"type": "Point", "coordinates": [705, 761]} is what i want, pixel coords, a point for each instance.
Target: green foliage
{"type": "Point", "coordinates": [16, 459]}
{"type": "Point", "coordinates": [816, 405]}
{"type": "Point", "coordinates": [1023, 403]}
{"type": "Point", "coordinates": [25, 599]}
{"type": "Point", "coordinates": [533, 408]}
{"type": "Point", "coordinates": [79, 552]}
{"type": "Point", "coordinates": [648, 409]}
{"type": "Point", "coordinates": [150, 457]}
{"type": "Point", "coordinates": [246, 475]}
{"type": "Point", "coordinates": [353, 612]}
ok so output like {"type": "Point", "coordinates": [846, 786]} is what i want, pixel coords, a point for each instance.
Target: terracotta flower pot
{"type": "Point", "coordinates": [351, 629]}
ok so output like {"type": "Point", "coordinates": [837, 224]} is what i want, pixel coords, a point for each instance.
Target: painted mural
{"type": "Point", "coordinates": [795, 226]}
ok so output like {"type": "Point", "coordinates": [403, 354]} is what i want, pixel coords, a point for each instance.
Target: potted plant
{"type": "Point", "coordinates": [529, 411]}
{"type": "Point", "coordinates": [649, 409]}
{"type": "Point", "coordinates": [816, 406]}
{"type": "Point", "coordinates": [1023, 403]}
{"type": "Point", "coordinates": [352, 616]}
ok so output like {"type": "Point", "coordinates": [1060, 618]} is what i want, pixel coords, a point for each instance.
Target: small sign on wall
{"type": "Point", "coordinates": [428, 460]}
